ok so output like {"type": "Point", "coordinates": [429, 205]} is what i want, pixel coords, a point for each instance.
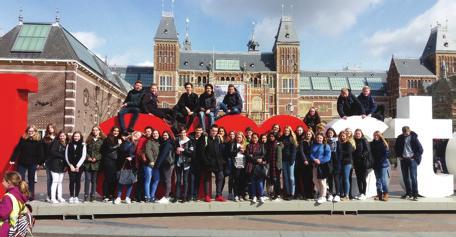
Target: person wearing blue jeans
{"type": "Point", "coordinates": [288, 161]}
{"type": "Point", "coordinates": [409, 150]}
{"type": "Point", "coordinates": [151, 169]}
{"type": "Point", "coordinates": [344, 155]}
{"type": "Point", "coordinates": [379, 150]}
{"type": "Point", "coordinates": [131, 105]}
{"type": "Point", "coordinates": [207, 106]}
{"type": "Point", "coordinates": [232, 102]}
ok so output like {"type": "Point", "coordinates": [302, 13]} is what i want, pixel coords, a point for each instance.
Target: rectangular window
{"type": "Point", "coordinates": [288, 85]}
{"type": "Point", "coordinates": [165, 83]}
{"type": "Point", "coordinates": [227, 65]}
{"type": "Point", "coordinates": [31, 38]}
{"type": "Point", "coordinates": [304, 83]}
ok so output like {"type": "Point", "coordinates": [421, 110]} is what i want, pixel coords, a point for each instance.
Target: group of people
{"type": "Point", "coordinates": [279, 165]}
{"type": "Point", "coordinates": [184, 112]}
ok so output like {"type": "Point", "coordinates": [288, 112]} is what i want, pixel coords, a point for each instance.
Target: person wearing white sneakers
{"type": "Point", "coordinates": [320, 156]}
{"type": "Point", "coordinates": [75, 155]}
{"type": "Point", "coordinates": [362, 160]}
{"type": "Point", "coordinates": [56, 165]}
{"type": "Point", "coordinates": [335, 164]}
{"type": "Point", "coordinates": [126, 177]}
{"type": "Point", "coordinates": [255, 155]}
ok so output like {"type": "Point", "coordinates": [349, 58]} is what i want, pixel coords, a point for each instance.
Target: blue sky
{"type": "Point", "coordinates": [333, 33]}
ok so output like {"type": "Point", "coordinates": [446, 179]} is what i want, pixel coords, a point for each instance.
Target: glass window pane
{"type": "Point", "coordinates": [356, 83]}
{"type": "Point", "coordinates": [337, 83]}
{"type": "Point", "coordinates": [375, 83]}
{"type": "Point", "coordinates": [304, 83]}
{"type": "Point", "coordinates": [320, 83]}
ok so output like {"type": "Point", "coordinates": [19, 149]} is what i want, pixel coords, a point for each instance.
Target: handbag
{"type": "Point", "coordinates": [126, 176]}
{"type": "Point", "coordinates": [260, 171]}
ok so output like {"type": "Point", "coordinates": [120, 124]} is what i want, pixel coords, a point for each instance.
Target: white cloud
{"type": "Point", "coordinates": [146, 63]}
{"type": "Point", "coordinates": [410, 40]}
{"type": "Point", "coordinates": [326, 17]}
{"type": "Point", "coordinates": [90, 39]}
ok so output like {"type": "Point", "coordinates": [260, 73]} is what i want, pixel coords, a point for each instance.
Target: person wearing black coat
{"type": "Point", "coordinates": [75, 155]}
{"type": "Point", "coordinates": [195, 166]}
{"type": "Point", "coordinates": [362, 160]}
{"type": "Point", "coordinates": [28, 154]}
{"type": "Point", "coordinates": [47, 140]}
{"type": "Point", "coordinates": [380, 150]}
{"type": "Point", "coordinates": [368, 103]}
{"type": "Point", "coordinates": [345, 157]}
{"type": "Point", "coordinates": [149, 105]}
{"type": "Point", "coordinates": [305, 176]}
{"type": "Point", "coordinates": [232, 102]}
{"type": "Point", "coordinates": [312, 119]}
{"type": "Point", "coordinates": [335, 167]}
{"type": "Point", "coordinates": [187, 107]}
{"type": "Point", "coordinates": [56, 165]}
{"type": "Point", "coordinates": [131, 105]}
{"type": "Point", "coordinates": [290, 144]}
{"type": "Point", "coordinates": [208, 106]}
{"type": "Point", "coordinates": [213, 163]}
{"type": "Point", "coordinates": [109, 156]}
{"type": "Point", "coordinates": [165, 163]}
{"type": "Point", "coordinates": [348, 104]}
{"type": "Point", "coordinates": [409, 150]}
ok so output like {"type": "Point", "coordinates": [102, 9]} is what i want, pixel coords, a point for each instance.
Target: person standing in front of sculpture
{"type": "Point", "coordinates": [409, 150]}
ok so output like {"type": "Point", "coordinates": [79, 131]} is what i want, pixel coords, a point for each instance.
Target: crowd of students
{"type": "Point", "coordinates": [316, 163]}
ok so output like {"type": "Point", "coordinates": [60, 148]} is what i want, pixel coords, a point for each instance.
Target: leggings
{"type": "Point", "coordinates": [75, 183]}
{"type": "Point", "coordinates": [167, 173]}
{"type": "Point", "coordinates": [361, 174]}
{"type": "Point", "coordinates": [110, 178]}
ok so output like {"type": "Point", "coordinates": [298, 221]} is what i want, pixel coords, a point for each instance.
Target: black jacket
{"type": "Point", "coordinates": [127, 149]}
{"type": "Point", "coordinates": [312, 121]}
{"type": "Point", "coordinates": [362, 154]}
{"type": "Point", "coordinates": [207, 102]}
{"type": "Point", "coordinates": [213, 154]}
{"type": "Point", "coordinates": [185, 158]}
{"type": "Point", "coordinates": [368, 103]}
{"type": "Point", "coordinates": [75, 154]}
{"type": "Point", "coordinates": [28, 152]}
{"type": "Point", "coordinates": [304, 152]}
{"type": "Point", "coordinates": [166, 149]}
{"type": "Point", "coordinates": [198, 155]}
{"type": "Point", "coordinates": [110, 149]}
{"type": "Point", "coordinates": [345, 152]}
{"type": "Point", "coordinates": [233, 101]}
{"type": "Point", "coordinates": [190, 101]}
{"type": "Point", "coordinates": [56, 161]}
{"type": "Point", "coordinates": [134, 98]}
{"type": "Point", "coordinates": [414, 142]}
{"type": "Point", "coordinates": [149, 103]}
{"type": "Point", "coordinates": [47, 143]}
{"type": "Point", "coordinates": [349, 106]}
{"type": "Point", "coordinates": [379, 154]}
{"type": "Point", "coordinates": [289, 149]}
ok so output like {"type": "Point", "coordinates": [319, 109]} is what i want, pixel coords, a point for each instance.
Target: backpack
{"type": "Point", "coordinates": [25, 220]}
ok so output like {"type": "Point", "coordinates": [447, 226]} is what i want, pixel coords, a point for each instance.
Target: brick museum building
{"type": "Point", "coordinates": [76, 88]}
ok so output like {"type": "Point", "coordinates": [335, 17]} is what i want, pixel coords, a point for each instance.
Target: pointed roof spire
{"type": "Point", "coordinates": [187, 43]}
{"type": "Point", "coordinates": [439, 42]}
{"type": "Point", "coordinates": [286, 32]}
{"type": "Point", "coordinates": [57, 17]}
{"type": "Point", "coordinates": [443, 70]}
{"type": "Point", "coordinates": [21, 18]}
{"type": "Point", "coordinates": [253, 45]}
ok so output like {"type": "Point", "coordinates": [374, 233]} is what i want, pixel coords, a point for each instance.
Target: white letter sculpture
{"type": "Point", "coordinates": [416, 112]}
{"type": "Point", "coordinates": [368, 125]}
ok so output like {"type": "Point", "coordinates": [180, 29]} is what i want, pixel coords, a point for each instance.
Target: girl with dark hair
{"type": "Point", "coordinates": [276, 130]}
{"type": "Point", "coordinates": [57, 166]}
{"type": "Point", "coordinates": [305, 178]}
{"type": "Point", "coordinates": [380, 149]}
{"type": "Point", "coordinates": [344, 154]}
{"type": "Point", "coordinates": [92, 163]}
{"type": "Point", "coordinates": [335, 165]}
{"type": "Point", "coordinates": [312, 119]}
{"type": "Point", "coordinates": [47, 140]}
{"type": "Point", "coordinates": [28, 154]}
{"type": "Point", "coordinates": [109, 155]}
{"type": "Point", "coordinates": [166, 164]}
{"type": "Point", "coordinates": [255, 155]}
{"type": "Point", "coordinates": [75, 155]}
{"type": "Point", "coordinates": [273, 158]}
{"type": "Point", "coordinates": [229, 142]}
{"type": "Point", "coordinates": [237, 152]}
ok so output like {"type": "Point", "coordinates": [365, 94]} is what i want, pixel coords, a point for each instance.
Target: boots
{"type": "Point", "coordinates": [385, 197]}
{"type": "Point", "coordinates": [379, 196]}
